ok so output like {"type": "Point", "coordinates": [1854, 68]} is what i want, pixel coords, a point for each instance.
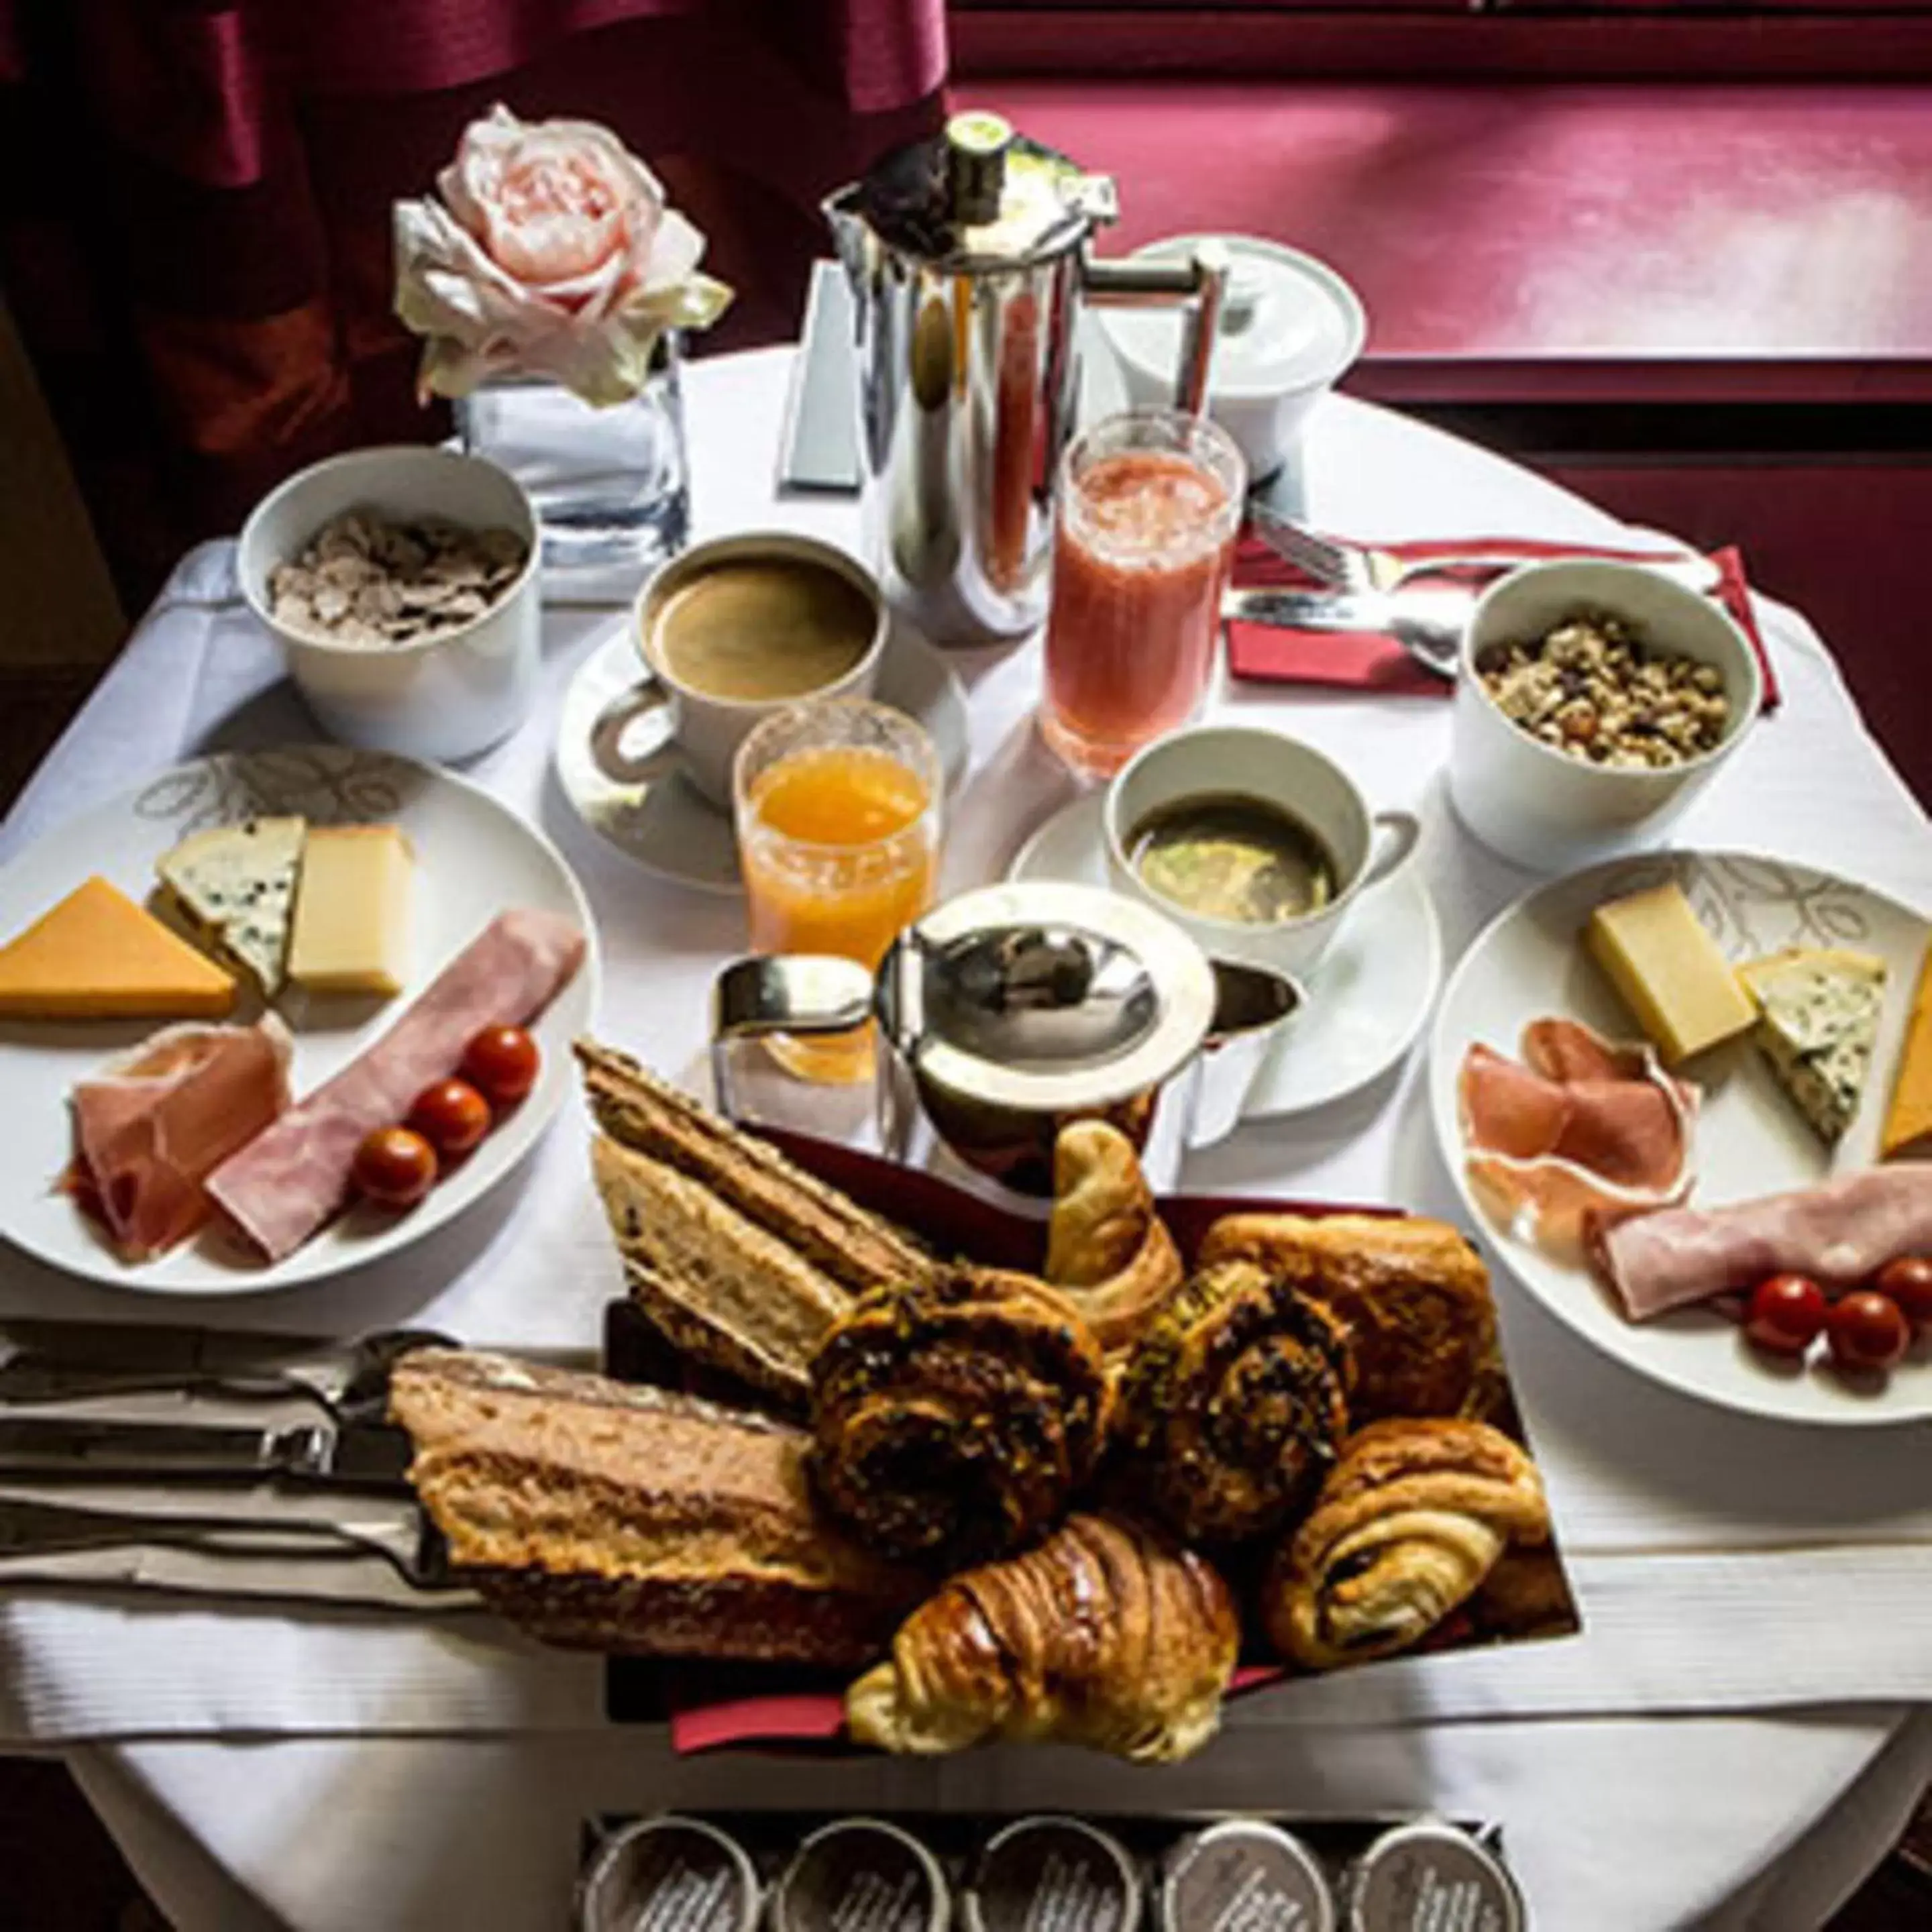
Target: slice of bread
{"type": "Point", "coordinates": [859, 1250]}
{"type": "Point", "coordinates": [723, 1289]}
{"type": "Point", "coordinates": [634, 1519]}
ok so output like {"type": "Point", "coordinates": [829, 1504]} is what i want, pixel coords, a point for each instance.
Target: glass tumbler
{"type": "Point", "coordinates": [837, 805]}
{"type": "Point", "coordinates": [611, 485]}
{"type": "Point", "coordinates": [1149, 504]}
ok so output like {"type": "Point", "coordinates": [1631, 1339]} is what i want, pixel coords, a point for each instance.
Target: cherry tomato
{"type": "Point", "coordinates": [1866, 1331]}
{"type": "Point", "coordinates": [451, 1116]}
{"type": "Point", "coordinates": [502, 1061]}
{"type": "Point", "coordinates": [1786, 1314]}
{"type": "Point", "coordinates": [395, 1166]}
{"type": "Point", "coordinates": [1908, 1281]}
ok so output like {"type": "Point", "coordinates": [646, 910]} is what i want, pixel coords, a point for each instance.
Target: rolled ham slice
{"type": "Point", "coordinates": [1840, 1233]}
{"type": "Point", "coordinates": [287, 1181]}
{"type": "Point", "coordinates": [150, 1127]}
{"type": "Point", "coordinates": [1582, 1127]}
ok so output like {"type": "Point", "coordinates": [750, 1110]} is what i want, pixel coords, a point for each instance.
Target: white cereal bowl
{"type": "Point", "coordinates": [1536, 806]}
{"type": "Point", "coordinates": [1291, 328]}
{"type": "Point", "coordinates": [441, 697]}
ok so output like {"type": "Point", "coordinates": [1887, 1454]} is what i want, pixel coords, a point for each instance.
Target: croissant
{"type": "Point", "coordinates": [1412, 1292]}
{"type": "Point", "coordinates": [1107, 1250]}
{"type": "Point", "coordinates": [956, 1420]}
{"type": "Point", "coordinates": [1105, 1635]}
{"type": "Point", "coordinates": [1410, 1523]}
{"type": "Point", "coordinates": [1234, 1404]}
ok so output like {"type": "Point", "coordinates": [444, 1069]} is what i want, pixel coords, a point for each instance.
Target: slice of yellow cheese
{"type": "Point", "coordinates": [351, 922]}
{"type": "Point", "coordinates": [1908, 1120]}
{"type": "Point", "coordinates": [1675, 981]}
{"type": "Point", "coordinates": [98, 955]}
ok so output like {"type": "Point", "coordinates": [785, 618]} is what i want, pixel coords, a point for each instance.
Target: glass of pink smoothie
{"type": "Point", "coordinates": [1149, 504]}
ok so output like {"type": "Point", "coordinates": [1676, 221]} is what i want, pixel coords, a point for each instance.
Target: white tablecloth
{"type": "Point", "coordinates": [1739, 1735]}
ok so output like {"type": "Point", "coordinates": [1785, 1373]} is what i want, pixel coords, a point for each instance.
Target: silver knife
{"type": "Point", "coordinates": [364, 1456]}
{"type": "Point", "coordinates": [1428, 624]}
{"type": "Point", "coordinates": [59, 1361]}
{"type": "Point", "coordinates": [410, 1545]}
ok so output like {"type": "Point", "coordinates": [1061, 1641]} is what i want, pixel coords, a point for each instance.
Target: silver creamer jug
{"type": "Point", "coordinates": [967, 257]}
{"type": "Point", "coordinates": [1011, 1010]}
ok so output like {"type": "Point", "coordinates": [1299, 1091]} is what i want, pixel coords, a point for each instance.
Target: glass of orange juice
{"type": "Point", "coordinates": [838, 810]}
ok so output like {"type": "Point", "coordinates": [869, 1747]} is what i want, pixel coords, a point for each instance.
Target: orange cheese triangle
{"type": "Point", "coordinates": [98, 955]}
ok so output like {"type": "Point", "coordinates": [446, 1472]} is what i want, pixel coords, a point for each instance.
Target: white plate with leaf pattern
{"type": "Point", "coordinates": [1530, 962]}
{"type": "Point", "coordinates": [475, 858]}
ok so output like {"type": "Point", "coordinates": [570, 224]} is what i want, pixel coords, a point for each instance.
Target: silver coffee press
{"type": "Point", "coordinates": [967, 257]}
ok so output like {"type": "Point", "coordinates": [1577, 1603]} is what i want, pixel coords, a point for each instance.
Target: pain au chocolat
{"type": "Point", "coordinates": [745, 1261]}
{"type": "Point", "coordinates": [608, 1517]}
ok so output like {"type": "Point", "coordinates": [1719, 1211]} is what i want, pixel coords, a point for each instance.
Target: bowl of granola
{"type": "Point", "coordinates": [402, 585]}
{"type": "Point", "coordinates": [1595, 700]}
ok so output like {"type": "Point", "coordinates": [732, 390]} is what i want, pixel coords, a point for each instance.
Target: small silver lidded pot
{"type": "Point", "coordinates": [862, 1872]}
{"type": "Point", "coordinates": [1430, 1872]}
{"type": "Point", "coordinates": [1053, 1871]}
{"type": "Point", "coordinates": [671, 1871]}
{"type": "Point", "coordinates": [967, 257]}
{"type": "Point", "coordinates": [1244, 1872]}
{"type": "Point", "coordinates": [1009, 1011]}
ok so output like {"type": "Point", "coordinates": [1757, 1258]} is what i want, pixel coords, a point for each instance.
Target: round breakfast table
{"type": "Point", "coordinates": [1737, 1738]}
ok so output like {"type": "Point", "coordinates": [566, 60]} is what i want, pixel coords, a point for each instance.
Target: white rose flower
{"type": "Point", "coordinates": [550, 252]}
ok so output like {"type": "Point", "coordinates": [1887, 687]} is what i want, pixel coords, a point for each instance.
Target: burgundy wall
{"type": "Point", "coordinates": [1845, 540]}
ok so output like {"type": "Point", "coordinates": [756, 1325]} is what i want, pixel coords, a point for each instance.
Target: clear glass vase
{"type": "Point", "coordinates": [611, 486]}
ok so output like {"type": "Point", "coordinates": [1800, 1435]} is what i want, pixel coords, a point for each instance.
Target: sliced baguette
{"type": "Point", "coordinates": [633, 1520]}
{"type": "Point", "coordinates": [721, 1288]}
{"type": "Point", "coordinates": [859, 1250]}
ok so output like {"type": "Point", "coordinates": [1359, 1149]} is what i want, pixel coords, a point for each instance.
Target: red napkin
{"type": "Point", "coordinates": [814, 1720]}
{"type": "Point", "coordinates": [1370, 660]}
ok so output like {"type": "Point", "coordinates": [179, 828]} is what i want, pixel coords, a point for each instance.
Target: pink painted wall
{"type": "Point", "coordinates": [1518, 241]}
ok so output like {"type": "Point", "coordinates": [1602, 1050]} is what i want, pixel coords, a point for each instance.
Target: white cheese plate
{"type": "Point", "coordinates": [475, 858]}
{"type": "Point", "coordinates": [1750, 1140]}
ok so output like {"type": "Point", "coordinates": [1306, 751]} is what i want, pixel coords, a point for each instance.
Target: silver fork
{"type": "Point", "coordinates": [1355, 566]}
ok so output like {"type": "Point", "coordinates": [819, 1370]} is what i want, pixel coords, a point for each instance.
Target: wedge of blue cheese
{"type": "Point", "coordinates": [1818, 1015]}
{"type": "Point", "coordinates": [234, 887]}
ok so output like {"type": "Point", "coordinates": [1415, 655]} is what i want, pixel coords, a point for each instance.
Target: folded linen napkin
{"type": "Point", "coordinates": [1372, 661]}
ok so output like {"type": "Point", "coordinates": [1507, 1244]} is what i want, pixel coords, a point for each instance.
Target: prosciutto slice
{"type": "Point", "coordinates": [150, 1127]}
{"type": "Point", "coordinates": [1581, 1127]}
{"type": "Point", "coordinates": [1840, 1233]}
{"type": "Point", "coordinates": [286, 1182]}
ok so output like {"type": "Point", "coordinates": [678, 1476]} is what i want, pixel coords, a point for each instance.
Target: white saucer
{"type": "Point", "coordinates": [1367, 1000]}
{"type": "Point", "coordinates": [662, 820]}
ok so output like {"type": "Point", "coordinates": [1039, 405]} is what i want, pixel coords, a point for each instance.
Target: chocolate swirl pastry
{"type": "Point", "coordinates": [1105, 1635]}
{"type": "Point", "coordinates": [1234, 1404]}
{"type": "Point", "coordinates": [955, 1420]}
{"type": "Point", "coordinates": [1410, 1522]}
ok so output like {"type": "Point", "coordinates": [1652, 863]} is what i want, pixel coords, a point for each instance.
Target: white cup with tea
{"type": "Point", "coordinates": [1255, 844]}
{"type": "Point", "coordinates": [730, 631]}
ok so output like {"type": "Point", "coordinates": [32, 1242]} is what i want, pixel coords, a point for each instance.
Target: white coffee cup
{"type": "Point", "coordinates": [697, 729]}
{"type": "Point", "coordinates": [1244, 761]}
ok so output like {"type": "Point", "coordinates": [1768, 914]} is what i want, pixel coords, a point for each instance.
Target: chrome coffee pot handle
{"type": "Point", "coordinates": [1201, 281]}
